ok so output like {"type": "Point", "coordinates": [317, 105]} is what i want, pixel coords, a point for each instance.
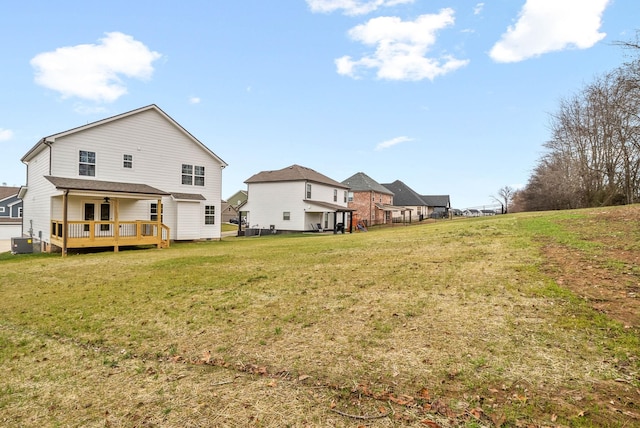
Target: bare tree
{"type": "Point", "coordinates": [593, 155]}
{"type": "Point", "coordinates": [504, 197]}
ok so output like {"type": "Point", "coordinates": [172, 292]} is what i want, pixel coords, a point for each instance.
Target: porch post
{"type": "Point", "coordinates": [159, 226]}
{"type": "Point", "coordinates": [65, 225]}
{"type": "Point", "coordinates": [116, 226]}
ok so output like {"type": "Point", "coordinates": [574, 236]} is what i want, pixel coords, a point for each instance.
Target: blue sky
{"type": "Point", "coordinates": [450, 97]}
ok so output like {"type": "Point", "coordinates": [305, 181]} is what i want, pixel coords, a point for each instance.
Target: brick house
{"type": "Point", "coordinates": [372, 202]}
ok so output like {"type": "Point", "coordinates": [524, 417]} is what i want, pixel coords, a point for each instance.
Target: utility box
{"type": "Point", "coordinates": [21, 245]}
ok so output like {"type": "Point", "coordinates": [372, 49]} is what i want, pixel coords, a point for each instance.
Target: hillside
{"type": "Point", "coordinates": [517, 320]}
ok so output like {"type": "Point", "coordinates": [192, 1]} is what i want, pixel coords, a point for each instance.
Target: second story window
{"type": "Point", "coordinates": [345, 196]}
{"type": "Point", "coordinates": [350, 197]}
{"type": "Point", "coordinates": [87, 164]}
{"type": "Point", "coordinates": [127, 161]}
{"type": "Point", "coordinates": [308, 190]}
{"type": "Point", "coordinates": [335, 195]}
{"type": "Point", "coordinates": [192, 175]}
{"type": "Point", "coordinates": [198, 175]}
{"type": "Point", "coordinates": [187, 174]}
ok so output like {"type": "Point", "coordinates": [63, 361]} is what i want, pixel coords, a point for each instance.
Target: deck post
{"type": "Point", "coordinates": [65, 226]}
{"type": "Point", "coordinates": [159, 226]}
{"type": "Point", "coordinates": [116, 226]}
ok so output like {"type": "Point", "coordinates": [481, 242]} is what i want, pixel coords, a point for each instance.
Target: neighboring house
{"type": "Point", "coordinates": [415, 208]}
{"type": "Point", "coordinates": [471, 212]}
{"type": "Point", "coordinates": [296, 198]}
{"type": "Point", "coordinates": [371, 201]}
{"type": "Point", "coordinates": [487, 212]}
{"type": "Point", "coordinates": [10, 213]}
{"type": "Point", "coordinates": [231, 207]}
{"type": "Point", "coordinates": [438, 206]}
{"type": "Point", "coordinates": [137, 178]}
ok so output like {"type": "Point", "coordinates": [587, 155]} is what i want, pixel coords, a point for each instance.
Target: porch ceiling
{"type": "Point", "coordinates": [99, 186]}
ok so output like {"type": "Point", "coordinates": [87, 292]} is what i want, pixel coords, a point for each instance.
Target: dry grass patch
{"type": "Point", "coordinates": [452, 323]}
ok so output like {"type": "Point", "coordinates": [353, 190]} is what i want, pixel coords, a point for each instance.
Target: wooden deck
{"type": "Point", "coordinates": [87, 234]}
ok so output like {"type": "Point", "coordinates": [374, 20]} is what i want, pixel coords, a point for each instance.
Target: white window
{"type": "Point", "coordinates": [345, 196]}
{"type": "Point", "coordinates": [153, 212]}
{"type": "Point", "coordinates": [187, 174]}
{"type": "Point", "coordinates": [286, 215]}
{"type": "Point", "coordinates": [192, 175]}
{"type": "Point", "coordinates": [87, 165]}
{"type": "Point", "coordinates": [350, 197]}
{"type": "Point", "coordinates": [209, 214]}
{"type": "Point", "coordinates": [335, 195]}
{"type": "Point", "coordinates": [127, 161]}
{"type": "Point", "coordinates": [308, 190]}
{"type": "Point", "coordinates": [198, 172]}
{"type": "Point", "coordinates": [1, 209]}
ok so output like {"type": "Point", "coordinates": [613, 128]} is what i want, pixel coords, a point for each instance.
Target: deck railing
{"type": "Point", "coordinates": [81, 234]}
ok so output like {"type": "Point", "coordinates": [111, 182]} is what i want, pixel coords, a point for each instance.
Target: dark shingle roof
{"type": "Point", "coordinates": [436, 200]}
{"type": "Point", "coordinates": [103, 186]}
{"type": "Point", "coordinates": [188, 196]}
{"type": "Point", "coordinates": [293, 173]}
{"type": "Point", "coordinates": [361, 182]}
{"type": "Point", "coordinates": [404, 195]}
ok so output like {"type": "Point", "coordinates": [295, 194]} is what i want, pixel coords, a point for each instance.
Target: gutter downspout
{"type": "Point", "coordinates": [48, 144]}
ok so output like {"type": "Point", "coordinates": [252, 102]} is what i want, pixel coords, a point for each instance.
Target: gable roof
{"type": "Point", "coordinates": [40, 145]}
{"type": "Point", "coordinates": [437, 200]}
{"type": "Point", "coordinates": [293, 173]}
{"type": "Point", "coordinates": [361, 182]}
{"type": "Point", "coordinates": [7, 192]}
{"type": "Point", "coordinates": [240, 195]}
{"type": "Point", "coordinates": [404, 195]}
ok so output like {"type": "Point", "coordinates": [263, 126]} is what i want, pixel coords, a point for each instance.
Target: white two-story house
{"type": "Point", "coordinates": [296, 199]}
{"type": "Point", "coordinates": [138, 178]}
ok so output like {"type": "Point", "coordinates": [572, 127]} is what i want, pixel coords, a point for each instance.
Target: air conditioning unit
{"type": "Point", "coordinates": [21, 245]}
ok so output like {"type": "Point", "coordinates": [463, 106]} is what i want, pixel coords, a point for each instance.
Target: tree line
{"type": "Point", "coordinates": [593, 155]}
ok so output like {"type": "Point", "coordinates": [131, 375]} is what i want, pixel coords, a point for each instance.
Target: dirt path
{"type": "Point", "coordinates": [609, 278]}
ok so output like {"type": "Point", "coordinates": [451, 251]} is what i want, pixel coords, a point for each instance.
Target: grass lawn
{"type": "Point", "coordinates": [497, 321]}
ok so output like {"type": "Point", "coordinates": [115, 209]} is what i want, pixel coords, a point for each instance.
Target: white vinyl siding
{"type": "Point", "coordinates": [159, 149]}
{"type": "Point", "coordinates": [189, 220]}
{"type": "Point", "coordinates": [268, 202]}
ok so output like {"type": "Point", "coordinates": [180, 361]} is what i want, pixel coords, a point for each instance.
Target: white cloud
{"type": "Point", "coordinates": [94, 71]}
{"type": "Point", "coordinates": [5, 134]}
{"type": "Point", "coordinates": [551, 25]}
{"type": "Point", "coordinates": [401, 48]}
{"type": "Point", "coordinates": [194, 100]}
{"type": "Point", "coordinates": [477, 10]}
{"type": "Point", "coordinates": [352, 7]}
{"type": "Point", "coordinates": [392, 142]}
